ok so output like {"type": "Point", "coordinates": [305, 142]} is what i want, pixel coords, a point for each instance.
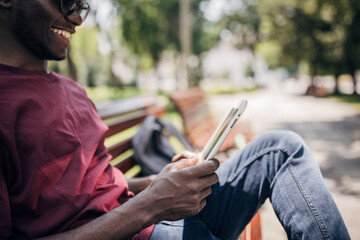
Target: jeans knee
{"type": "Point", "coordinates": [282, 147]}
{"type": "Point", "coordinates": [285, 140]}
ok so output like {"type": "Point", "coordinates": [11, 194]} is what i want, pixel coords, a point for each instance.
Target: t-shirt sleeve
{"type": "Point", "coordinates": [5, 213]}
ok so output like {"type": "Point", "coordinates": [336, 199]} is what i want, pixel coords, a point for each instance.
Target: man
{"type": "Point", "coordinates": [55, 177]}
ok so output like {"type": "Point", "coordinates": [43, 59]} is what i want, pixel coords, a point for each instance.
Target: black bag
{"type": "Point", "coordinates": [152, 149]}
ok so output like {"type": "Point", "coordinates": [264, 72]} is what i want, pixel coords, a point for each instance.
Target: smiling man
{"type": "Point", "coordinates": [55, 177]}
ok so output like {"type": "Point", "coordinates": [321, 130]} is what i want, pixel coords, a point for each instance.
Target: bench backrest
{"type": "Point", "coordinates": [193, 109]}
{"type": "Point", "coordinates": [123, 118]}
{"type": "Point", "coordinates": [198, 122]}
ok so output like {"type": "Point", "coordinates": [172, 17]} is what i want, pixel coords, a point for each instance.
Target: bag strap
{"type": "Point", "coordinates": [173, 131]}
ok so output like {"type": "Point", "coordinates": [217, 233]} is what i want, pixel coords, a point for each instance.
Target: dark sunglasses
{"type": "Point", "coordinates": [68, 7]}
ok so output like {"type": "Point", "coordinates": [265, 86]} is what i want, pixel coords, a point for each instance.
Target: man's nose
{"type": "Point", "coordinates": [75, 18]}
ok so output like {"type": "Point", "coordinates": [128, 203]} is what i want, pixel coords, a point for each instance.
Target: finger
{"type": "Point", "coordinates": [205, 168]}
{"type": "Point", "coordinates": [185, 163]}
{"type": "Point", "coordinates": [205, 182]}
{"type": "Point", "coordinates": [202, 204]}
{"type": "Point", "coordinates": [177, 157]}
{"type": "Point", "coordinates": [183, 154]}
{"type": "Point", "coordinates": [209, 179]}
{"type": "Point", "coordinates": [205, 192]}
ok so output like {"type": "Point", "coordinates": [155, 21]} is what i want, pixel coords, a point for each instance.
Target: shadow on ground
{"type": "Point", "coordinates": [337, 144]}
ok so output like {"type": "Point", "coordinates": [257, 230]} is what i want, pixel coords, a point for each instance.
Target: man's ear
{"type": "Point", "coordinates": [5, 3]}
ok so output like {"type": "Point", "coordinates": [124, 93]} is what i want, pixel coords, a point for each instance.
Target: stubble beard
{"type": "Point", "coordinates": [35, 46]}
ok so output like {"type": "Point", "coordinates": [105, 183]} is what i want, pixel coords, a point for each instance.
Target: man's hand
{"type": "Point", "coordinates": [138, 184]}
{"type": "Point", "coordinates": [176, 194]}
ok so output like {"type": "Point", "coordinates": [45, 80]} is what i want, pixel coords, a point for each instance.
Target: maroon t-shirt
{"type": "Point", "coordinates": [54, 168]}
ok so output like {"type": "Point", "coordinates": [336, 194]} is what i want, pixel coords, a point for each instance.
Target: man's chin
{"type": "Point", "coordinates": [56, 56]}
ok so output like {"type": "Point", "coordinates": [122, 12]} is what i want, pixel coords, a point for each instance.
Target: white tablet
{"type": "Point", "coordinates": [222, 131]}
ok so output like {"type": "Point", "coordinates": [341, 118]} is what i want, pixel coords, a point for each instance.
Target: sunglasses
{"type": "Point", "coordinates": [68, 7]}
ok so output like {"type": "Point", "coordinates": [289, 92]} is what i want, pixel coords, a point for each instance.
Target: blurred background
{"type": "Point", "coordinates": [296, 61]}
{"type": "Point", "coordinates": [225, 45]}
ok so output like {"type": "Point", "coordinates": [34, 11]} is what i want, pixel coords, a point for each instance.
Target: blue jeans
{"type": "Point", "coordinates": [278, 165]}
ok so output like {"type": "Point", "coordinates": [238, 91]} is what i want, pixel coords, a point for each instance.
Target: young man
{"type": "Point", "coordinates": [55, 177]}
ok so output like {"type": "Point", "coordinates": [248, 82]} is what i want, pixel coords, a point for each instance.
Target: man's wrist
{"type": "Point", "coordinates": [136, 185]}
{"type": "Point", "coordinates": [146, 206]}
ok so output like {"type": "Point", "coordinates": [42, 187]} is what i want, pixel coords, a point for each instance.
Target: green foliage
{"type": "Point", "coordinates": [271, 51]}
{"type": "Point", "coordinates": [317, 37]}
{"type": "Point", "coordinates": [314, 31]}
{"type": "Point", "coordinates": [244, 23]}
{"type": "Point", "coordinates": [104, 93]}
{"type": "Point", "coordinates": [205, 33]}
{"type": "Point", "coordinates": [149, 27]}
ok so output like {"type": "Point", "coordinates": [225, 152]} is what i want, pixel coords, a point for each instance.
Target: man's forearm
{"type": "Point", "coordinates": [137, 185]}
{"type": "Point", "coordinates": [112, 225]}
{"type": "Point", "coordinates": [174, 194]}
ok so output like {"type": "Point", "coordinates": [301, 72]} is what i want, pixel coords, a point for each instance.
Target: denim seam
{"type": "Point", "coordinates": [309, 202]}
{"type": "Point", "coordinates": [254, 158]}
{"type": "Point", "coordinates": [247, 163]}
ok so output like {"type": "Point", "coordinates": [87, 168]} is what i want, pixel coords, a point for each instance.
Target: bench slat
{"type": "Point", "coordinates": [182, 97]}
{"type": "Point", "coordinates": [126, 164]}
{"type": "Point", "coordinates": [123, 124]}
{"type": "Point", "coordinates": [132, 120]}
{"type": "Point", "coordinates": [120, 148]}
{"type": "Point", "coordinates": [122, 115]}
{"type": "Point", "coordinates": [125, 106]}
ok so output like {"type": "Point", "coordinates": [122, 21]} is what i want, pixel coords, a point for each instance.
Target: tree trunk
{"type": "Point", "coordinates": [185, 32]}
{"type": "Point", "coordinates": [336, 89]}
{"type": "Point", "coordinates": [353, 75]}
{"type": "Point", "coordinates": [115, 81]}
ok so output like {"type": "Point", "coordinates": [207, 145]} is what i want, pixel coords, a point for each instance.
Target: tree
{"type": "Point", "coordinates": [320, 33]}
{"type": "Point", "coordinates": [151, 27]}
{"type": "Point", "coordinates": [351, 45]}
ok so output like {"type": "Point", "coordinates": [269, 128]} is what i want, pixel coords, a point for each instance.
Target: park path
{"type": "Point", "coordinates": [330, 128]}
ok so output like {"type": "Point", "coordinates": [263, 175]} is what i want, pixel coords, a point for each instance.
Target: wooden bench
{"type": "Point", "coordinates": [198, 121]}
{"type": "Point", "coordinates": [199, 124]}
{"type": "Point", "coordinates": [123, 118]}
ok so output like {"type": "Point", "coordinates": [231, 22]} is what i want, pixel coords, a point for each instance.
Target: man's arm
{"type": "Point", "coordinates": [174, 194]}
{"type": "Point", "coordinates": [136, 185]}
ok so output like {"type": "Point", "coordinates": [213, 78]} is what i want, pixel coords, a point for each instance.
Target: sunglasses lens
{"type": "Point", "coordinates": [70, 6]}
{"type": "Point", "coordinates": [84, 10]}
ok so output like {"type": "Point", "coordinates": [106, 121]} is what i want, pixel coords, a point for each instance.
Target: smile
{"type": "Point", "coordinates": [65, 34]}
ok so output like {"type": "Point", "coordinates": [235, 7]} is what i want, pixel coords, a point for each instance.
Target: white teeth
{"type": "Point", "coordinates": [61, 32]}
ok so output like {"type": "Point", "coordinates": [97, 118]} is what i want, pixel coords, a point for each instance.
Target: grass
{"type": "Point", "coordinates": [231, 90]}
{"type": "Point", "coordinates": [103, 93]}
{"type": "Point", "coordinates": [351, 99]}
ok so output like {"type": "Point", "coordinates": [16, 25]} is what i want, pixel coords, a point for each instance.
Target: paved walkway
{"type": "Point", "coordinates": [332, 131]}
